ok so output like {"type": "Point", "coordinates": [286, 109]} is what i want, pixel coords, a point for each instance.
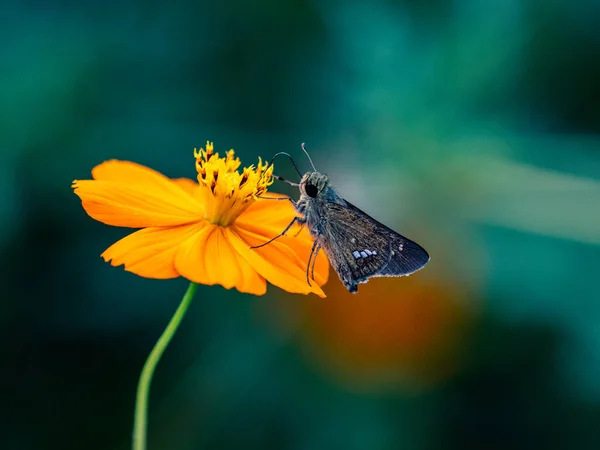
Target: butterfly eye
{"type": "Point", "coordinates": [311, 190]}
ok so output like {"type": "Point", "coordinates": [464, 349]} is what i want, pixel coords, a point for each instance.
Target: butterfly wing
{"type": "Point", "coordinates": [359, 247]}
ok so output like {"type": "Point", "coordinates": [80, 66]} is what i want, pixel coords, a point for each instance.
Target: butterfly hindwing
{"type": "Point", "coordinates": [359, 247]}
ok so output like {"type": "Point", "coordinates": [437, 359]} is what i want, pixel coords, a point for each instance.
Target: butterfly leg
{"type": "Point", "coordinates": [300, 220]}
{"type": "Point", "coordinates": [299, 229]}
{"type": "Point", "coordinates": [279, 198]}
{"type": "Point", "coordinates": [314, 262]}
{"type": "Point", "coordinates": [313, 254]}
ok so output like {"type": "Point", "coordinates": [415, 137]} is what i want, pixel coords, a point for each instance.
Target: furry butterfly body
{"type": "Point", "coordinates": [357, 246]}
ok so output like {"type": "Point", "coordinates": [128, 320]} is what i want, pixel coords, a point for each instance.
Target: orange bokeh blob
{"type": "Point", "coordinates": [403, 333]}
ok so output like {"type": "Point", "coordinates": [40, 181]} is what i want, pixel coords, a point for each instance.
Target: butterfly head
{"type": "Point", "coordinates": [313, 183]}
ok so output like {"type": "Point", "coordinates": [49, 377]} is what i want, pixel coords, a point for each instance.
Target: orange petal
{"type": "Point", "coordinates": [128, 172]}
{"type": "Point", "coordinates": [298, 240]}
{"type": "Point", "coordinates": [275, 213]}
{"type": "Point", "coordinates": [150, 252]}
{"type": "Point", "coordinates": [276, 262]}
{"type": "Point", "coordinates": [268, 218]}
{"type": "Point", "coordinates": [207, 257]}
{"type": "Point", "coordinates": [188, 185]}
{"type": "Point", "coordinates": [145, 199]}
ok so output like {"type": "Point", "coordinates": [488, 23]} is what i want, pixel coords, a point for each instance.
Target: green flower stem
{"type": "Point", "coordinates": [140, 423]}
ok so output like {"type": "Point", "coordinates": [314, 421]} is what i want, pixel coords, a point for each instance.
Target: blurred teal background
{"type": "Point", "coordinates": [471, 126]}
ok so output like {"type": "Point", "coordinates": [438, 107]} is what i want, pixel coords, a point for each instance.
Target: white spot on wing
{"type": "Point", "coordinates": [363, 254]}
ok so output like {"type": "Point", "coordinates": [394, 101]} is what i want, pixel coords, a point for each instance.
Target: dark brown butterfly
{"type": "Point", "coordinates": [358, 246]}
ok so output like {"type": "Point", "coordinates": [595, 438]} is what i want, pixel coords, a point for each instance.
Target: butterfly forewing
{"type": "Point", "coordinates": [360, 248]}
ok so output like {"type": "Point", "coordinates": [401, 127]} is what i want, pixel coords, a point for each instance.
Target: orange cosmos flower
{"type": "Point", "coordinates": [204, 230]}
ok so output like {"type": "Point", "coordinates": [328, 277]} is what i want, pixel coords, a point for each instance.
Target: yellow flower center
{"type": "Point", "coordinates": [225, 192]}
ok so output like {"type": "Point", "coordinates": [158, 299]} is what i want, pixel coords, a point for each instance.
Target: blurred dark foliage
{"type": "Point", "coordinates": [472, 126]}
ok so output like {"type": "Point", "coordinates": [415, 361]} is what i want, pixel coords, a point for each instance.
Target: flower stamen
{"type": "Point", "coordinates": [244, 178]}
{"type": "Point", "coordinates": [224, 191]}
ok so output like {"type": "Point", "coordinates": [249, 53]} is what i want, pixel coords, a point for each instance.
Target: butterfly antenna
{"type": "Point", "coordinates": [291, 159]}
{"type": "Point", "coordinates": [309, 158]}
